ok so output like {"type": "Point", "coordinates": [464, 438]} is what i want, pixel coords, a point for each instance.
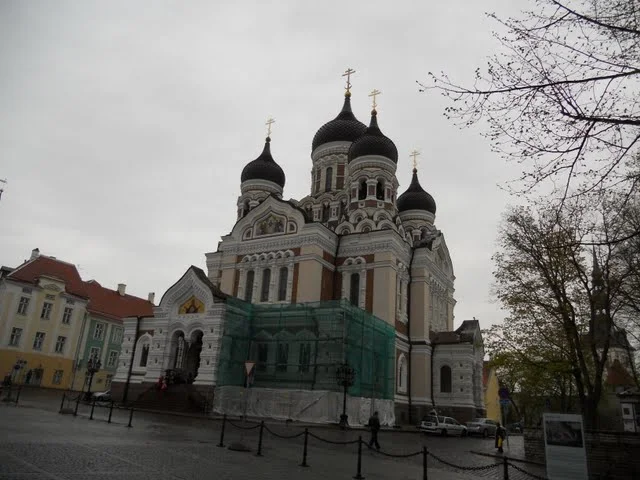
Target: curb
{"type": "Point", "coordinates": [515, 459]}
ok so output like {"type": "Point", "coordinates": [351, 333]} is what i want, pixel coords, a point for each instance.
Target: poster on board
{"type": "Point", "coordinates": [565, 448]}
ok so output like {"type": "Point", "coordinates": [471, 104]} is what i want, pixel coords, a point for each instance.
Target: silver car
{"type": "Point", "coordinates": [482, 426]}
{"type": "Point", "coordinates": [443, 426]}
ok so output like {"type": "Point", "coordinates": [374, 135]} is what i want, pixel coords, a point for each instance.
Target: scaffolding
{"type": "Point", "coordinates": [300, 346]}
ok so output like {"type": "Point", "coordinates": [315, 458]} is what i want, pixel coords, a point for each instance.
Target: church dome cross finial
{"type": "Point", "coordinates": [270, 121]}
{"type": "Point", "coordinates": [374, 93]}
{"type": "Point", "coordinates": [414, 159]}
{"type": "Point", "coordinates": [348, 72]}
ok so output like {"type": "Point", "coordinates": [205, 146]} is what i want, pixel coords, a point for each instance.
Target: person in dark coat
{"type": "Point", "coordinates": [501, 434]}
{"type": "Point", "coordinates": [374, 425]}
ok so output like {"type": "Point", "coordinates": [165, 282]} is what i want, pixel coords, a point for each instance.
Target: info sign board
{"type": "Point", "coordinates": [565, 447]}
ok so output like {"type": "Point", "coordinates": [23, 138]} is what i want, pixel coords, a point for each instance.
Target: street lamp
{"type": "Point", "coordinates": [345, 376]}
{"type": "Point", "coordinates": [93, 365]}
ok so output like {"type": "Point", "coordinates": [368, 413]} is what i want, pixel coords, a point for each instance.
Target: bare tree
{"type": "Point", "coordinates": [563, 100]}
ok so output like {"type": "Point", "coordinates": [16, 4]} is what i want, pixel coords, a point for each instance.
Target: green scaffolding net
{"type": "Point", "coordinates": [300, 346]}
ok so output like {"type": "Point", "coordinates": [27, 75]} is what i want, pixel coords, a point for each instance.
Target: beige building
{"type": "Point", "coordinates": [354, 237]}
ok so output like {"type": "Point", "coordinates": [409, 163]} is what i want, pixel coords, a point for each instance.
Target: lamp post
{"type": "Point", "coordinates": [345, 376]}
{"type": "Point", "coordinates": [93, 366]}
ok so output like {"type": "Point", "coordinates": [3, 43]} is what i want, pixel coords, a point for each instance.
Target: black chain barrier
{"type": "Point", "coordinates": [350, 442]}
{"type": "Point", "coordinates": [252, 427]}
{"type": "Point", "coordinates": [459, 467]}
{"type": "Point", "coordinates": [522, 470]}
{"type": "Point", "coordinates": [403, 455]}
{"type": "Point", "coordinates": [295, 435]}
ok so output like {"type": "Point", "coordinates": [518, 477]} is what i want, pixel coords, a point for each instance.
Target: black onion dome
{"type": "Point", "coordinates": [264, 168]}
{"type": "Point", "coordinates": [345, 127]}
{"type": "Point", "coordinates": [373, 142]}
{"type": "Point", "coordinates": [415, 198]}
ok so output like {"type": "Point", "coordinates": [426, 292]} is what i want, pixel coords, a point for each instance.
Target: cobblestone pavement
{"type": "Point", "coordinates": [40, 444]}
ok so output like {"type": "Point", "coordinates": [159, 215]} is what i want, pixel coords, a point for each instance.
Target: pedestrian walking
{"type": "Point", "coordinates": [374, 425]}
{"type": "Point", "coordinates": [501, 434]}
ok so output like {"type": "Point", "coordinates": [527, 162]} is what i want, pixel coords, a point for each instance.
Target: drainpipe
{"type": "Point", "coordinates": [413, 252]}
{"type": "Point", "coordinates": [133, 354]}
{"type": "Point", "coordinates": [78, 345]}
{"type": "Point", "coordinates": [433, 351]}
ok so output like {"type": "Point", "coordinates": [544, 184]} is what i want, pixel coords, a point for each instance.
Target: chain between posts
{"type": "Point", "coordinates": [459, 467]}
{"type": "Point", "coordinates": [522, 470]}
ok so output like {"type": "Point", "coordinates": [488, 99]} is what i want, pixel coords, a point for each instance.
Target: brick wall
{"type": "Point", "coordinates": [610, 455]}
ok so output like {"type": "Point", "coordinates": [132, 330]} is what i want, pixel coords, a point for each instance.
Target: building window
{"type": "Point", "coordinates": [108, 380]}
{"type": "Point", "coordinates": [98, 331]}
{"type": "Point", "coordinates": [402, 373]}
{"type": "Point", "coordinates": [283, 357]}
{"type": "Point", "coordinates": [117, 335]}
{"type": "Point", "coordinates": [57, 377]}
{"type": "Point", "coordinates": [16, 335]}
{"type": "Point", "coordinates": [38, 341]}
{"type": "Point", "coordinates": [66, 316]}
{"type": "Point", "coordinates": [248, 286]}
{"type": "Point", "coordinates": [328, 179]}
{"type": "Point", "coordinates": [380, 190]}
{"type": "Point", "coordinates": [304, 359]}
{"type": "Point", "coordinates": [46, 311]}
{"type": "Point", "coordinates": [23, 306]}
{"type": "Point", "coordinates": [266, 279]}
{"type": "Point", "coordinates": [145, 353]}
{"type": "Point", "coordinates": [282, 284]}
{"type": "Point", "coordinates": [263, 357]}
{"type": "Point", "coordinates": [94, 352]}
{"type": "Point", "coordinates": [445, 379]}
{"type": "Point", "coordinates": [113, 358]}
{"type": "Point", "coordinates": [60, 344]}
{"type": "Point", "coordinates": [354, 290]}
{"type": "Point", "coordinates": [362, 190]}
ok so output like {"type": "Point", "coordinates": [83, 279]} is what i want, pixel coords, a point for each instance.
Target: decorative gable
{"type": "Point", "coordinates": [193, 305]}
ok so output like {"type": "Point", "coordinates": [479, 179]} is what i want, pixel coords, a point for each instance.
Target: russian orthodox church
{"type": "Point", "coordinates": [354, 238]}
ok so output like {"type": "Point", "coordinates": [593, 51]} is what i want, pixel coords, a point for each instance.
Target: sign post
{"type": "Point", "coordinates": [565, 447]}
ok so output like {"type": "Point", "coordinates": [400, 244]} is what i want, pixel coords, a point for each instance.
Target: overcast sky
{"type": "Point", "coordinates": [124, 126]}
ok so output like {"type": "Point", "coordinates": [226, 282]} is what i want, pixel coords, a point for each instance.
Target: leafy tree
{"type": "Point", "coordinates": [563, 100]}
{"type": "Point", "coordinates": [563, 299]}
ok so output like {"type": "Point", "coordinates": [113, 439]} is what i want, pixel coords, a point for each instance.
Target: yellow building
{"type": "Point", "coordinates": [43, 305]}
{"type": "Point", "coordinates": [491, 392]}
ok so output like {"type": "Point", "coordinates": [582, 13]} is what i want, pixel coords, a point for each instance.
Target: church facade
{"type": "Point", "coordinates": [355, 237]}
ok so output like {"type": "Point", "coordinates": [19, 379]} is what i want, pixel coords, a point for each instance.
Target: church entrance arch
{"type": "Point", "coordinates": [184, 361]}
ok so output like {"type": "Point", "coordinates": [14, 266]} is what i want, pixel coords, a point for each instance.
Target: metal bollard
{"type": "Point", "coordinates": [359, 472]}
{"type": "Point", "coordinates": [110, 412]}
{"type": "Point", "coordinates": [62, 402]}
{"type": "Point", "coordinates": [130, 417]}
{"type": "Point", "coordinates": [18, 394]}
{"type": "Point", "coordinates": [224, 422]}
{"type": "Point", "coordinates": [259, 454]}
{"type": "Point", "coordinates": [93, 406]}
{"type": "Point", "coordinates": [75, 412]}
{"type": "Point", "coordinates": [424, 462]}
{"type": "Point", "coordinates": [505, 464]}
{"type": "Point", "coordinates": [304, 451]}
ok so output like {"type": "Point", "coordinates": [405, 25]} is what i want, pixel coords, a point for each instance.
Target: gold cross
{"type": "Point", "coordinates": [348, 72]}
{"type": "Point", "coordinates": [268, 123]}
{"type": "Point", "coordinates": [374, 93]}
{"type": "Point", "coordinates": [415, 154]}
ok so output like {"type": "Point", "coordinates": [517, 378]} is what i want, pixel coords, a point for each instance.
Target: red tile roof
{"type": "Point", "coordinates": [111, 304]}
{"type": "Point", "coordinates": [617, 375]}
{"type": "Point", "coordinates": [31, 271]}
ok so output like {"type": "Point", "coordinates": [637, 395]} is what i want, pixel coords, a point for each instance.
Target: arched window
{"type": "Point", "coordinates": [283, 357]}
{"type": "Point", "coordinates": [180, 351]}
{"type": "Point", "coordinates": [246, 207]}
{"type": "Point", "coordinates": [354, 290]}
{"type": "Point", "coordinates": [402, 373]}
{"type": "Point", "coordinates": [326, 212]}
{"type": "Point", "coordinates": [145, 355]}
{"type": "Point", "coordinates": [380, 190]}
{"type": "Point", "coordinates": [248, 287]}
{"type": "Point", "coordinates": [282, 284]}
{"type": "Point", "coordinates": [304, 357]}
{"type": "Point", "coordinates": [362, 190]}
{"type": "Point", "coordinates": [445, 379]}
{"type": "Point", "coordinates": [266, 279]}
{"type": "Point", "coordinates": [328, 179]}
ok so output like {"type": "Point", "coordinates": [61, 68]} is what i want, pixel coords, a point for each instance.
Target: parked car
{"type": "Point", "coordinates": [482, 426]}
{"type": "Point", "coordinates": [442, 425]}
{"type": "Point", "coordinates": [102, 396]}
